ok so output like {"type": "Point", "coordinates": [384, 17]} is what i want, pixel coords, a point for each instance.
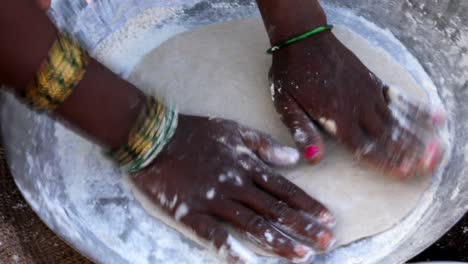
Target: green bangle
{"type": "Point", "coordinates": [299, 38]}
{"type": "Point", "coordinates": [153, 130]}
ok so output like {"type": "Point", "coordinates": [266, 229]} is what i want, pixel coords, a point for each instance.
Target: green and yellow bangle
{"type": "Point", "coordinates": [61, 72]}
{"type": "Point", "coordinates": [58, 75]}
{"type": "Point", "coordinates": [151, 133]}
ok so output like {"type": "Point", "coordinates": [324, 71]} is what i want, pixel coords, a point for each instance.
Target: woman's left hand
{"type": "Point", "coordinates": [320, 81]}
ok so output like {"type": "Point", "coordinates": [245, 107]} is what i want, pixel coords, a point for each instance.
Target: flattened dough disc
{"type": "Point", "coordinates": [221, 70]}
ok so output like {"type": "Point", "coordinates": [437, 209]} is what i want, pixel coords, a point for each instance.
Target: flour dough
{"type": "Point", "coordinates": [221, 70]}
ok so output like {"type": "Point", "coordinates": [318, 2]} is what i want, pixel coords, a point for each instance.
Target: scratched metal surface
{"type": "Point", "coordinates": [435, 32]}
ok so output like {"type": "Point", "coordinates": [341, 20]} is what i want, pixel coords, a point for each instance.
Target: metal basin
{"type": "Point", "coordinates": [101, 219]}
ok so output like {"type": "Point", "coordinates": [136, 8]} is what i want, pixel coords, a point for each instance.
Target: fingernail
{"type": "Point", "coordinates": [405, 167]}
{"type": "Point", "coordinates": [432, 155]}
{"type": "Point", "coordinates": [327, 218]}
{"type": "Point", "coordinates": [311, 151]}
{"type": "Point", "coordinates": [287, 155]}
{"type": "Point", "coordinates": [438, 119]}
{"type": "Point", "coordinates": [302, 251]}
{"type": "Point", "coordinates": [304, 254]}
{"type": "Point", "coordinates": [325, 240]}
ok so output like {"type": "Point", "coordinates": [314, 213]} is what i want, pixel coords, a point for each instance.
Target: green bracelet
{"type": "Point", "coordinates": [153, 130]}
{"type": "Point", "coordinates": [299, 38]}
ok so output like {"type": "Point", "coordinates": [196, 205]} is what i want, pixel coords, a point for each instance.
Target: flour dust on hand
{"type": "Point", "coordinates": [217, 173]}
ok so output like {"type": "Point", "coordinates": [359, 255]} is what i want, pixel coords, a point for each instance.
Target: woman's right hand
{"type": "Point", "coordinates": [216, 172]}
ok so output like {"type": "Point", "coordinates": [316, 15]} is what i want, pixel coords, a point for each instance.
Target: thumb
{"type": "Point", "coordinates": [305, 133]}
{"type": "Point", "coordinates": [268, 149]}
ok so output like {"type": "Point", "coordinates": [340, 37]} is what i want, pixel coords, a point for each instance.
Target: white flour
{"type": "Point", "coordinates": [131, 39]}
{"type": "Point", "coordinates": [109, 210]}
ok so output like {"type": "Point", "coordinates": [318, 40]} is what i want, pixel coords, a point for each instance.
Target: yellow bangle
{"type": "Point", "coordinates": [58, 75]}
{"type": "Point", "coordinates": [153, 130]}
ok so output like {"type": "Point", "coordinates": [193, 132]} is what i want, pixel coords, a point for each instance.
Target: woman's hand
{"type": "Point", "coordinates": [319, 81]}
{"type": "Point", "coordinates": [217, 172]}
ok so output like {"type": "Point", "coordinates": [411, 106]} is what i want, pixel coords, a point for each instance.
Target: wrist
{"type": "Point", "coordinates": [148, 137]}
{"type": "Point", "coordinates": [297, 27]}
{"type": "Point", "coordinates": [287, 19]}
{"type": "Point", "coordinates": [312, 46]}
{"type": "Point", "coordinates": [103, 106]}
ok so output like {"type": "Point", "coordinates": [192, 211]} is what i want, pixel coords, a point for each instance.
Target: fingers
{"type": "Point", "coordinates": [295, 223]}
{"type": "Point", "coordinates": [424, 144]}
{"type": "Point", "coordinates": [396, 139]}
{"type": "Point", "coordinates": [432, 156]}
{"type": "Point", "coordinates": [259, 231]}
{"type": "Point", "coordinates": [398, 152]}
{"type": "Point", "coordinates": [395, 164]}
{"type": "Point", "coordinates": [382, 126]}
{"type": "Point", "coordinates": [419, 112]}
{"type": "Point", "coordinates": [208, 228]}
{"type": "Point", "coordinates": [388, 152]}
{"type": "Point", "coordinates": [372, 152]}
{"type": "Point", "coordinates": [421, 121]}
{"type": "Point", "coordinates": [305, 133]}
{"type": "Point", "coordinates": [373, 124]}
{"type": "Point", "coordinates": [268, 149]}
{"type": "Point", "coordinates": [294, 196]}
{"type": "Point", "coordinates": [399, 136]}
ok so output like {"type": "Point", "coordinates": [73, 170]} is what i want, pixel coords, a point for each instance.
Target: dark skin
{"type": "Point", "coordinates": [319, 80]}
{"type": "Point", "coordinates": [239, 172]}
{"type": "Point", "coordinates": [103, 102]}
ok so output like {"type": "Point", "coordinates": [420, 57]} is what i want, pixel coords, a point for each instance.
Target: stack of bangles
{"type": "Point", "coordinates": [61, 72]}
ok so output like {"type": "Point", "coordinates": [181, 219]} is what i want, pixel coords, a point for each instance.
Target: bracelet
{"type": "Point", "coordinates": [153, 130]}
{"type": "Point", "coordinates": [58, 75]}
{"type": "Point", "coordinates": [300, 38]}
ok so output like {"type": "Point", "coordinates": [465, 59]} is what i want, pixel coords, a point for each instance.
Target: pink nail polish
{"type": "Point", "coordinates": [326, 240]}
{"type": "Point", "coordinates": [301, 250]}
{"type": "Point", "coordinates": [438, 119]}
{"type": "Point", "coordinates": [432, 155]}
{"type": "Point", "coordinates": [436, 158]}
{"type": "Point", "coordinates": [311, 151]}
{"type": "Point", "coordinates": [304, 254]}
{"type": "Point", "coordinates": [327, 218]}
{"type": "Point", "coordinates": [406, 167]}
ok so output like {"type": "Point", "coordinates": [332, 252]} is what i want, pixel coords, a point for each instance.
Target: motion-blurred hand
{"type": "Point", "coordinates": [320, 83]}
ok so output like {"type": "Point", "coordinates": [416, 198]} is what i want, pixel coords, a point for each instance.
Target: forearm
{"type": "Point", "coordinates": [103, 106]}
{"type": "Point", "coordinates": [27, 35]}
{"type": "Point", "coordinates": [287, 18]}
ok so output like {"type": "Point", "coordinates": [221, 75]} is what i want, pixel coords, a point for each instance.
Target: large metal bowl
{"type": "Point", "coordinates": [434, 31]}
